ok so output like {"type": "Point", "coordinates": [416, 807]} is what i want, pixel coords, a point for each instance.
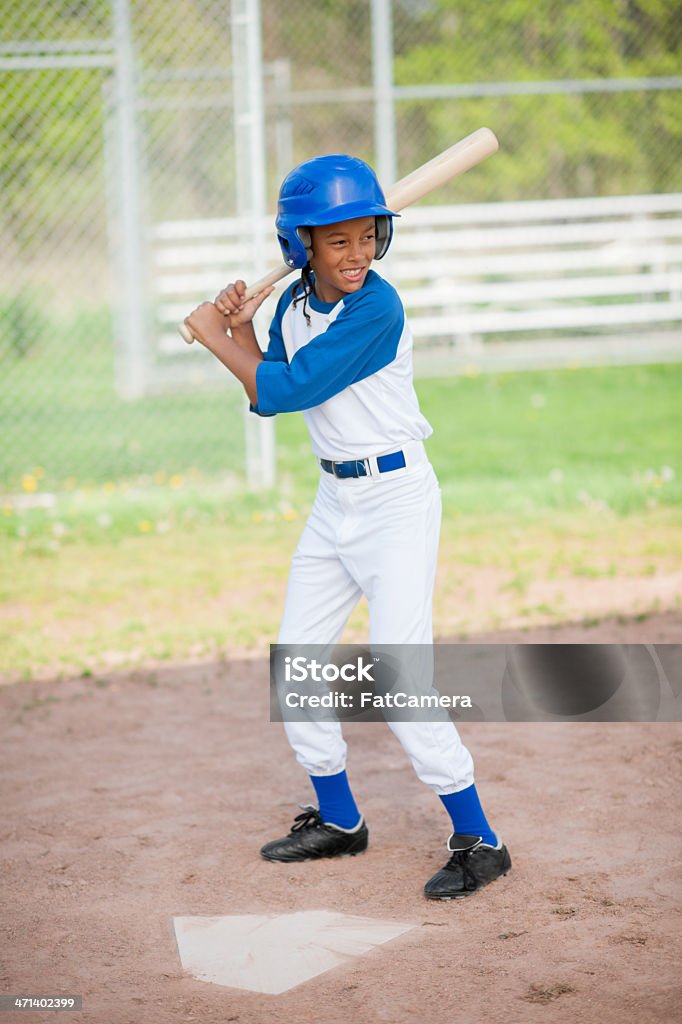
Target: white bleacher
{"type": "Point", "coordinates": [488, 282]}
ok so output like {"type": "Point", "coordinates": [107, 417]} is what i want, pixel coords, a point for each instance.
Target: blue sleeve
{"type": "Point", "coordinates": [361, 341]}
{"type": "Point", "coordinates": [275, 352]}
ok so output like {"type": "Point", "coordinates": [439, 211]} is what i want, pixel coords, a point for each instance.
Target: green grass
{"type": "Point", "coordinates": [542, 440]}
{"type": "Point", "coordinates": [60, 413]}
{"type": "Point", "coordinates": [520, 441]}
{"type": "Point", "coordinates": [210, 585]}
{"type": "Point", "coordinates": [513, 444]}
{"type": "Point", "coordinates": [148, 547]}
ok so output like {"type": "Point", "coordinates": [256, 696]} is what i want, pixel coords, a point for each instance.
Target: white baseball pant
{"type": "Point", "coordinates": [377, 536]}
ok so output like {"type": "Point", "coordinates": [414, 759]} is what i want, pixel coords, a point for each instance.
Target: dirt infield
{"type": "Point", "coordinates": [129, 799]}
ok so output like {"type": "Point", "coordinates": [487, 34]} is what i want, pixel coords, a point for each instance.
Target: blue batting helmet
{"type": "Point", "coordinates": [326, 190]}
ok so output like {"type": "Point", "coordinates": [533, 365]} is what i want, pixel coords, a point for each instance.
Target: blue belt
{"type": "Point", "coordinates": [360, 467]}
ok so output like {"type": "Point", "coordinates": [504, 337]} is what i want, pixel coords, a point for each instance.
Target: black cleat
{"type": "Point", "coordinates": [472, 865]}
{"type": "Point", "coordinates": [311, 838]}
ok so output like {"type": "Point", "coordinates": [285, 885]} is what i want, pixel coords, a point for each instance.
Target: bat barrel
{"type": "Point", "coordinates": [459, 158]}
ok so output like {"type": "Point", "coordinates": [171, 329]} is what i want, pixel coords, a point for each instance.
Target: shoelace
{"type": "Point", "coordinates": [460, 859]}
{"type": "Point", "coordinates": [310, 818]}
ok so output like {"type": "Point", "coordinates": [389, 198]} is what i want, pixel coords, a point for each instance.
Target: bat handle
{"type": "Point", "coordinates": [265, 282]}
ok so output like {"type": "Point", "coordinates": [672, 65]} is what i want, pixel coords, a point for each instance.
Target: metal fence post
{"type": "Point", "coordinates": [127, 228]}
{"type": "Point", "coordinates": [382, 77]}
{"type": "Point", "coordinates": [280, 71]}
{"type": "Point", "coordinates": [249, 120]}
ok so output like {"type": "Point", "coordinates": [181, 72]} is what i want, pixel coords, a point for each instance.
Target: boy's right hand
{"type": "Point", "coordinates": [230, 302]}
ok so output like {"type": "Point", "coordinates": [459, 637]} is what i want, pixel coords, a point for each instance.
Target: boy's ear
{"type": "Point", "coordinates": [305, 236]}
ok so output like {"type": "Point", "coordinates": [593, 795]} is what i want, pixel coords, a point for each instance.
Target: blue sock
{"type": "Point", "coordinates": [467, 814]}
{"type": "Point", "coordinates": [335, 800]}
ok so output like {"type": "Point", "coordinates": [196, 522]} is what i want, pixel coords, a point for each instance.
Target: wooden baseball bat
{"type": "Point", "coordinates": [459, 158]}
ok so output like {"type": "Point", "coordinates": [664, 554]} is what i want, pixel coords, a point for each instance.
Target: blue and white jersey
{"type": "Point", "coordinates": [349, 371]}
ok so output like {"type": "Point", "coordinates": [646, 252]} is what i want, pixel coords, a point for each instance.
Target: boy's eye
{"type": "Point", "coordinates": [338, 242]}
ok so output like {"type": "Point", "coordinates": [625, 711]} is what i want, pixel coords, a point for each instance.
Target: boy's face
{"type": "Point", "coordinates": [342, 255]}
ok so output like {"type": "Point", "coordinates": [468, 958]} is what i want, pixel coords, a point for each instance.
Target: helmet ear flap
{"type": "Point", "coordinates": [383, 232]}
{"type": "Point", "coordinates": [295, 246]}
{"type": "Point", "coordinates": [304, 235]}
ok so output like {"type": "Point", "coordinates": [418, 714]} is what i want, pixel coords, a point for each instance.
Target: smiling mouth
{"type": "Point", "coordinates": [353, 275]}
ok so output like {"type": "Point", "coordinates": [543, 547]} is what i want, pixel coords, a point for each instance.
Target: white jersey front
{"type": "Point", "coordinates": [349, 371]}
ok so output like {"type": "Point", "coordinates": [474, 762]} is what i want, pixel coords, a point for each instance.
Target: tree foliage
{"type": "Point", "coordinates": [52, 164]}
{"type": "Point", "coordinates": [551, 145]}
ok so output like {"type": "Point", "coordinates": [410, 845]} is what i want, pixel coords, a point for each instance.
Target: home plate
{"type": "Point", "coordinates": [274, 952]}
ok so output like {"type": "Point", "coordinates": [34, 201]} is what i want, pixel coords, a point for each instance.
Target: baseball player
{"type": "Point", "coordinates": [340, 350]}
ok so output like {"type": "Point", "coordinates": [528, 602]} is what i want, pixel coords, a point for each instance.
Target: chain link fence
{"type": "Point", "coordinates": [130, 127]}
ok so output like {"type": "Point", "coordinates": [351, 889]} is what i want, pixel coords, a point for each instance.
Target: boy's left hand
{"type": "Point", "coordinates": [238, 310]}
{"type": "Point", "coordinates": [206, 322]}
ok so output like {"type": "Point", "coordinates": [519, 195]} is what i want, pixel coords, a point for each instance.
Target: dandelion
{"type": "Point", "coordinates": [289, 514]}
{"type": "Point", "coordinates": [7, 509]}
{"type": "Point", "coordinates": [29, 483]}
{"type": "Point", "coordinates": [176, 480]}
{"type": "Point", "coordinates": [257, 517]}
{"type": "Point", "coordinates": [144, 526]}
{"type": "Point", "coordinates": [109, 487]}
